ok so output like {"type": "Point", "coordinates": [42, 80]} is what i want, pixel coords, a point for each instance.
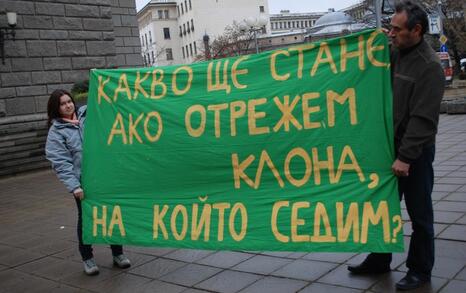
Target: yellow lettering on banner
{"type": "Point", "coordinates": [217, 109]}
{"type": "Point", "coordinates": [175, 89]}
{"type": "Point", "coordinates": [100, 92]}
{"type": "Point", "coordinates": [238, 170]}
{"type": "Point", "coordinates": [348, 152]}
{"type": "Point", "coordinates": [324, 49]}
{"type": "Point", "coordinates": [132, 128]}
{"type": "Point", "coordinates": [137, 85]}
{"type": "Point", "coordinates": [296, 222]}
{"type": "Point", "coordinates": [273, 66]}
{"type": "Point", "coordinates": [117, 219]}
{"type": "Point", "coordinates": [287, 113]}
{"type": "Point", "coordinates": [218, 85]}
{"type": "Point", "coordinates": [368, 215]}
{"type": "Point", "coordinates": [158, 222]}
{"type": "Point", "coordinates": [221, 207]}
{"type": "Point", "coordinates": [184, 217]}
{"type": "Point", "coordinates": [348, 95]}
{"type": "Point", "coordinates": [244, 222]}
{"type": "Point", "coordinates": [265, 158]}
{"type": "Point", "coordinates": [371, 49]}
{"type": "Point", "coordinates": [149, 136]}
{"type": "Point", "coordinates": [204, 222]}
{"type": "Point", "coordinates": [345, 55]}
{"type": "Point", "coordinates": [320, 215]}
{"type": "Point", "coordinates": [237, 110]}
{"type": "Point", "coordinates": [235, 72]}
{"type": "Point", "coordinates": [123, 87]}
{"type": "Point", "coordinates": [308, 165]}
{"type": "Point", "coordinates": [301, 50]}
{"type": "Point", "coordinates": [187, 120]}
{"type": "Point", "coordinates": [253, 116]}
{"type": "Point", "coordinates": [307, 111]}
{"type": "Point", "coordinates": [99, 221]}
{"type": "Point", "coordinates": [318, 165]}
{"type": "Point", "coordinates": [352, 222]}
{"type": "Point", "coordinates": [157, 82]}
{"type": "Point", "coordinates": [274, 218]}
{"type": "Point", "coordinates": [117, 131]}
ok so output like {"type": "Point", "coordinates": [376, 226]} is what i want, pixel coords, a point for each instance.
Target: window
{"type": "Point", "coordinates": [190, 7]}
{"type": "Point", "coordinates": [192, 24]}
{"type": "Point", "coordinates": [184, 28]}
{"type": "Point", "coordinates": [142, 42]}
{"type": "Point", "coordinates": [261, 9]}
{"type": "Point", "coordinates": [187, 52]}
{"type": "Point", "coordinates": [302, 23]}
{"type": "Point", "coordinates": [169, 53]}
{"type": "Point", "coordinates": [166, 14]}
{"type": "Point", "coordinates": [181, 31]}
{"type": "Point", "coordinates": [150, 37]}
{"type": "Point", "coordinates": [148, 58]}
{"type": "Point", "coordinates": [145, 60]}
{"type": "Point", "coordinates": [186, 5]}
{"type": "Point", "coordinates": [145, 36]}
{"type": "Point", "coordinates": [153, 56]}
{"type": "Point", "coordinates": [195, 48]}
{"type": "Point", "coordinates": [182, 11]}
{"type": "Point", "coordinates": [281, 24]}
{"type": "Point", "coordinates": [191, 49]}
{"type": "Point", "coordinates": [160, 13]}
{"type": "Point", "coordinates": [182, 50]}
{"type": "Point", "coordinates": [187, 25]}
{"type": "Point", "coordinates": [289, 24]}
{"type": "Point", "coordinates": [166, 33]}
{"type": "Point", "coordinates": [178, 9]}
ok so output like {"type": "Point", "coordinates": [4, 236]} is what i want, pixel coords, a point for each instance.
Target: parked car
{"type": "Point", "coordinates": [445, 60]}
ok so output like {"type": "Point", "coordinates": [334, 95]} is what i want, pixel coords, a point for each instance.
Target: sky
{"type": "Point", "coordinates": [293, 5]}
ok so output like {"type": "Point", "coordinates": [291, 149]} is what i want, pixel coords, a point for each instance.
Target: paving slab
{"type": "Point", "coordinates": [454, 232]}
{"type": "Point", "coordinates": [261, 264]}
{"type": "Point", "coordinates": [157, 268]}
{"type": "Point", "coordinates": [274, 285]}
{"type": "Point", "coordinates": [228, 281]}
{"type": "Point", "coordinates": [461, 275]}
{"type": "Point", "coordinates": [190, 275]}
{"type": "Point", "coordinates": [225, 259]}
{"type": "Point", "coordinates": [325, 288]}
{"type": "Point", "coordinates": [454, 286]}
{"type": "Point", "coordinates": [307, 270]}
{"type": "Point", "coordinates": [342, 277]}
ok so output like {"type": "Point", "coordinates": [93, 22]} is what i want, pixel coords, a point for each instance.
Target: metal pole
{"type": "Point", "coordinates": [440, 22]}
{"type": "Point", "coordinates": [255, 40]}
{"type": "Point", "coordinates": [378, 13]}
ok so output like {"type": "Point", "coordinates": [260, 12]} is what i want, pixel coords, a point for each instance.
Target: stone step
{"type": "Point", "coordinates": [21, 168]}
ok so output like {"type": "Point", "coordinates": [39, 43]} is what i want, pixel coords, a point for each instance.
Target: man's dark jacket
{"type": "Point", "coordinates": [418, 85]}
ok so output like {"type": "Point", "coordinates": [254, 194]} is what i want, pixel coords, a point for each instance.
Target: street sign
{"type": "Point", "coordinates": [443, 48]}
{"type": "Point", "coordinates": [443, 39]}
{"type": "Point", "coordinates": [434, 24]}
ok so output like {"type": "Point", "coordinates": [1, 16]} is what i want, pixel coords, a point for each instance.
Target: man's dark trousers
{"type": "Point", "coordinates": [417, 192]}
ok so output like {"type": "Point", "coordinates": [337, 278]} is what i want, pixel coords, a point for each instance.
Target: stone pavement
{"type": "Point", "coordinates": [38, 250]}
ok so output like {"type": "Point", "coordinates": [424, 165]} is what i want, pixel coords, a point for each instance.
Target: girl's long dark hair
{"type": "Point", "coordinates": [53, 105]}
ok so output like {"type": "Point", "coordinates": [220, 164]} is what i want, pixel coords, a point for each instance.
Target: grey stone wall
{"type": "Point", "coordinates": [56, 44]}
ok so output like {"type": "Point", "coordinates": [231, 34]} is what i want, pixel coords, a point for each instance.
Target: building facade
{"type": "Point", "coordinates": [285, 21]}
{"type": "Point", "coordinates": [175, 29]}
{"type": "Point", "coordinates": [55, 45]}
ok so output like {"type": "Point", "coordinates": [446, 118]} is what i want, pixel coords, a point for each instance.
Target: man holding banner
{"type": "Point", "coordinates": [417, 79]}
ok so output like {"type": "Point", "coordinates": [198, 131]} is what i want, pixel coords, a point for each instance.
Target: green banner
{"type": "Point", "coordinates": [285, 150]}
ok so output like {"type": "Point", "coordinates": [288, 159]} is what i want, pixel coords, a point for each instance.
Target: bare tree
{"type": "Point", "coordinates": [233, 42]}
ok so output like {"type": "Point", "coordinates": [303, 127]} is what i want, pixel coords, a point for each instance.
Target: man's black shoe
{"type": "Point", "coordinates": [366, 268]}
{"type": "Point", "coordinates": [410, 282]}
